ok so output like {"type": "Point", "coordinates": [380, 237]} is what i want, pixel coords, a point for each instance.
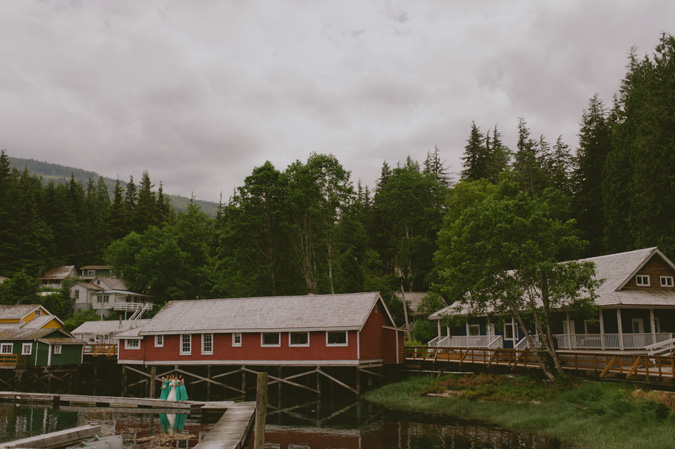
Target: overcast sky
{"type": "Point", "coordinates": [199, 93]}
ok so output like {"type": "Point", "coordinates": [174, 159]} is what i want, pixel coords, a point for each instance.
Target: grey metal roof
{"type": "Point", "coordinates": [16, 311]}
{"type": "Point", "coordinates": [107, 327]}
{"type": "Point", "coordinates": [59, 273]}
{"type": "Point", "coordinates": [28, 334]}
{"type": "Point", "coordinates": [40, 321]}
{"type": "Point", "coordinates": [275, 313]}
{"type": "Point", "coordinates": [616, 270]}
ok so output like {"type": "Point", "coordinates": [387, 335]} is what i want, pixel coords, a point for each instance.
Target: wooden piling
{"type": "Point", "coordinates": [153, 379]}
{"type": "Point", "coordinates": [260, 410]}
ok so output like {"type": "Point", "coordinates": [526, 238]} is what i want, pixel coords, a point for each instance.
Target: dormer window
{"type": "Point", "coordinates": [38, 312]}
{"type": "Point", "coordinates": [666, 281]}
{"type": "Point", "coordinates": [642, 280]}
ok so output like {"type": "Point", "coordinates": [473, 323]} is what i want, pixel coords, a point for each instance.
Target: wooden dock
{"type": "Point", "coordinates": [232, 428]}
{"type": "Point", "coordinates": [100, 401]}
{"type": "Point", "coordinates": [230, 432]}
{"type": "Point", "coordinates": [60, 438]}
{"type": "Point", "coordinates": [629, 365]}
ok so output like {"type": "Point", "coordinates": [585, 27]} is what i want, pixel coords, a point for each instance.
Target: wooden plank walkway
{"type": "Point", "coordinates": [60, 438]}
{"type": "Point", "coordinates": [110, 401]}
{"type": "Point", "coordinates": [232, 429]}
{"type": "Point", "coordinates": [625, 364]}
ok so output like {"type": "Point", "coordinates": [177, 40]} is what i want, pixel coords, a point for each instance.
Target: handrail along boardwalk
{"type": "Point", "coordinates": [626, 364]}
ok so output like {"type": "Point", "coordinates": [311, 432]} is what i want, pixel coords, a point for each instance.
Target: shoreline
{"type": "Point", "coordinates": [583, 414]}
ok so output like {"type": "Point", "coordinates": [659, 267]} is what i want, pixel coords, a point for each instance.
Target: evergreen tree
{"type": "Point", "coordinates": [475, 156]}
{"type": "Point", "coordinates": [594, 146]}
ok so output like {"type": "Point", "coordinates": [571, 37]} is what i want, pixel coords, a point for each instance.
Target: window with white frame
{"type": "Point", "coordinates": [26, 348]}
{"type": "Point", "coordinates": [103, 299]}
{"type": "Point", "coordinates": [159, 341]}
{"type": "Point", "coordinates": [298, 339]}
{"type": "Point", "coordinates": [91, 272]}
{"type": "Point", "coordinates": [474, 330]}
{"type": "Point", "coordinates": [132, 343]}
{"type": "Point", "coordinates": [76, 294]}
{"type": "Point", "coordinates": [666, 281]}
{"type": "Point", "coordinates": [207, 343]}
{"type": "Point", "coordinates": [336, 338]}
{"type": "Point", "coordinates": [642, 280]}
{"type": "Point", "coordinates": [57, 349]}
{"type": "Point", "coordinates": [185, 344]}
{"type": "Point", "coordinates": [270, 339]}
{"type": "Point", "coordinates": [236, 339]}
{"type": "Point", "coordinates": [6, 348]}
{"type": "Point", "coordinates": [38, 312]}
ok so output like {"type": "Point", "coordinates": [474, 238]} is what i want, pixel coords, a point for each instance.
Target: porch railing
{"type": "Point", "coordinates": [572, 341]}
{"type": "Point", "coordinates": [594, 341]}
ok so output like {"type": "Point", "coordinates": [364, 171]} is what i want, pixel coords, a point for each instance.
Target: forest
{"type": "Point", "coordinates": [308, 229]}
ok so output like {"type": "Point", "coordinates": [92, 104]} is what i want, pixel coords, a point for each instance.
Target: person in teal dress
{"type": "Point", "coordinates": [181, 392]}
{"type": "Point", "coordinates": [165, 388]}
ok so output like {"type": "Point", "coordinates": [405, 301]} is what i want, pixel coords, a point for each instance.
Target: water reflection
{"type": "Point", "coordinates": [357, 426]}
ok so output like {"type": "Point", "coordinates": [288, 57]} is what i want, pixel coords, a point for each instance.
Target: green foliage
{"type": "Point", "coordinates": [78, 318]}
{"type": "Point", "coordinates": [21, 288]}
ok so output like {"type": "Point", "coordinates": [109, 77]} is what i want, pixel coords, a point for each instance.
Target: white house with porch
{"type": "Point", "coordinates": [636, 305]}
{"type": "Point", "coordinates": [106, 295]}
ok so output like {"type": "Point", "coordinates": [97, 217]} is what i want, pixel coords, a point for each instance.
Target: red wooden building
{"type": "Point", "coordinates": [320, 331]}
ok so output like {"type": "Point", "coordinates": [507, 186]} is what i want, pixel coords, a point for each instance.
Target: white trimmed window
{"type": "Point", "coordinates": [270, 339]}
{"type": "Point", "coordinates": [298, 339]}
{"type": "Point", "coordinates": [338, 338]}
{"type": "Point", "coordinates": [103, 299]}
{"type": "Point", "coordinates": [474, 330]}
{"type": "Point", "coordinates": [7, 348]}
{"type": "Point", "coordinates": [159, 341]}
{"type": "Point", "coordinates": [185, 344]}
{"type": "Point", "coordinates": [510, 331]}
{"type": "Point", "coordinates": [132, 343]}
{"type": "Point", "coordinates": [57, 349]}
{"type": "Point", "coordinates": [38, 312]}
{"type": "Point", "coordinates": [207, 344]}
{"type": "Point", "coordinates": [236, 339]}
{"type": "Point", "coordinates": [642, 280]}
{"type": "Point", "coordinates": [26, 348]}
{"type": "Point", "coordinates": [666, 281]}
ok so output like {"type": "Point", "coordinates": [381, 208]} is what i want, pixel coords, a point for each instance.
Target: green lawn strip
{"type": "Point", "coordinates": [589, 414]}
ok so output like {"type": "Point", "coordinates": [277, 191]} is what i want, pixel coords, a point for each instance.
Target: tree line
{"type": "Point", "coordinates": [308, 229]}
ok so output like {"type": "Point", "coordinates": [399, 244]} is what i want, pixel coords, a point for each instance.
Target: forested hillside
{"type": "Point", "coordinates": [60, 174]}
{"type": "Point", "coordinates": [307, 228]}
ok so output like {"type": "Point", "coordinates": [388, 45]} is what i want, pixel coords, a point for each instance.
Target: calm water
{"type": "Point", "coordinates": [312, 426]}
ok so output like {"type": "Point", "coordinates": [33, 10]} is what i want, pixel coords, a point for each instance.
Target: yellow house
{"type": "Point", "coordinates": [28, 316]}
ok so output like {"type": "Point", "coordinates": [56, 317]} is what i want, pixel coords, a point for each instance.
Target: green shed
{"type": "Point", "coordinates": [41, 347]}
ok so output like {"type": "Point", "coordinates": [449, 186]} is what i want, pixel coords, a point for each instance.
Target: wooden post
{"type": "Point", "coordinates": [260, 410]}
{"type": "Point", "coordinates": [124, 381]}
{"type": "Point", "coordinates": [243, 383]}
{"type": "Point", "coordinates": [208, 384]}
{"type": "Point", "coordinates": [153, 376]}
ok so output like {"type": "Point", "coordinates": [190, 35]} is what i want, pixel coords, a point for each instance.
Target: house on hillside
{"type": "Point", "coordinates": [41, 347]}
{"type": "Point", "coordinates": [54, 277]}
{"type": "Point", "coordinates": [28, 316]}
{"type": "Point", "coordinates": [105, 332]}
{"type": "Point", "coordinates": [636, 311]}
{"type": "Point", "coordinates": [106, 295]}
{"type": "Point", "coordinates": [89, 272]}
{"type": "Point", "coordinates": [353, 329]}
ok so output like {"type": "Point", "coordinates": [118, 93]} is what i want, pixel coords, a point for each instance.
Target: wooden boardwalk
{"type": "Point", "coordinates": [232, 428]}
{"type": "Point", "coordinates": [626, 364]}
{"type": "Point", "coordinates": [230, 432]}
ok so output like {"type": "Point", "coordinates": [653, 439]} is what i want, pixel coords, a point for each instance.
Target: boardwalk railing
{"type": "Point", "coordinates": [12, 361]}
{"type": "Point", "coordinates": [611, 341]}
{"type": "Point", "coordinates": [101, 350]}
{"type": "Point", "coordinates": [603, 363]}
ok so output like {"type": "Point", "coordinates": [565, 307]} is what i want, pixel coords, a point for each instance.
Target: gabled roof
{"type": "Point", "coordinates": [87, 285]}
{"type": "Point", "coordinates": [107, 327]}
{"type": "Point", "coordinates": [110, 283]}
{"type": "Point", "coordinates": [274, 313]}
{"type": "Point", "coordinates": [58, 273]}
{"type": "Point", "coordinates": [32, 334]}
{"type": "Point", "coordinates": [40, 321]}
{"type": "Point", "coordinates": [616, 270]}
{"type": "Point", "coordinates": [96, 267]}
{"type": "Point", "coordinates": [18, 311]}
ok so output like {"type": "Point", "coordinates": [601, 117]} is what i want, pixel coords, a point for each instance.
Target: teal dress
{"type": "Point", "coordinates": [165, 389]}
{"type": "Point", "coordinates": [181, 392]}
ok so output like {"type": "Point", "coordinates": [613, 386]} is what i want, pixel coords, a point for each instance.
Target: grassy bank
{"type": "Point", "coordinates": [590, 414]}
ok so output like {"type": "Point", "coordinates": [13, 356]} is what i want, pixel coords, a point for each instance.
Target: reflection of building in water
{"type": "Point", "coordinates": [400, 435]}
